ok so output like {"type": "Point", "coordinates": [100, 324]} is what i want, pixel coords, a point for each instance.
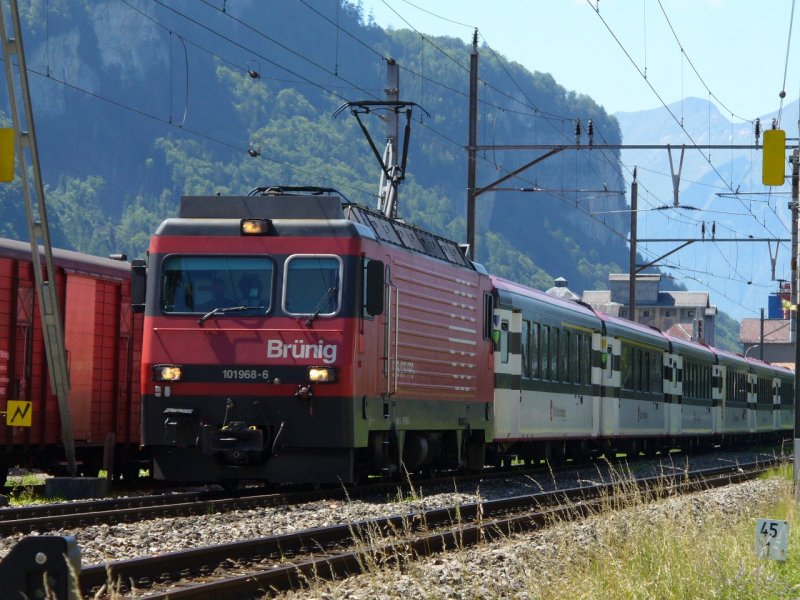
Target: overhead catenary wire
{"type": "Point", "coordinates": [446, 138]}
{"type": "Point", "coordinates": [258, 54]}
{"type": "Point", "coordinates": [406, 21]}
{"type": "Point", "coordinates": [664, 104]}
{"type": "Point", "coordinates": [685, 55]}
{"type": "Point", "coordinates": [438, 48]}
{"type": "Point", "coordinates": [782, 93]}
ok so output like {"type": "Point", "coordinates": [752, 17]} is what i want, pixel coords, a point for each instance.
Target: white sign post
{"type": "Point", "coordinates": [771, 538]}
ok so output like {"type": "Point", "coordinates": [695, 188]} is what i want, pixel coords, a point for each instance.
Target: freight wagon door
{"type": "Point", "coordinates": [79, 339]}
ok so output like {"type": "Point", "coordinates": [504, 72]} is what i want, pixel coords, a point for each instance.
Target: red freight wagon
{"type": "Point", "coordinates": [103, 342]}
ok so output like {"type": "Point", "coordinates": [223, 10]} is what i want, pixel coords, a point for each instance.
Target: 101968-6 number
{"type": "Point", "coordinates": [245, 374]}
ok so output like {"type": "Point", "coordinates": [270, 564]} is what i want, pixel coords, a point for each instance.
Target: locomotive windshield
{"type": "Point", "coordinates": [203, 283]}
{"type": "Point", "coordinates": [312, 285]}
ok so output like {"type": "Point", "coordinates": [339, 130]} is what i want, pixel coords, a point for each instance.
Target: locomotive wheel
{"type": "Point", "coordinates": [230, 485]}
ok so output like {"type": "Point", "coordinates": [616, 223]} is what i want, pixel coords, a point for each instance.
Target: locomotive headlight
{"type": "Point", "coordinates": [321, 374]}
{"type": "Point", "coordinates": [255, 226]}
{"type": "Point", "coordinates": [167, 373]}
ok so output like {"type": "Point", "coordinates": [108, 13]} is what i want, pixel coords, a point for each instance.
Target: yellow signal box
{"type": "Point", "coordinates": [773, 169]}
{"type": "Point", "coordinates": [6, 154]}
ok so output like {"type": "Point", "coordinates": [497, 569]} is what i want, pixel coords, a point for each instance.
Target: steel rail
{"type": "Point", "coordinates": [129, 509]}
{"type": "Point", "coordinates": [426, 532]}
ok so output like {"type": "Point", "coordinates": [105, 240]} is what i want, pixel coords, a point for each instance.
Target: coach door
{"type": "Point", "coordinates": [673, 391]}
{"type": "Point", "coordinates": [605, 384]}
{"type": "Point", "coordinates": [508, 395]}
{"type": "Point", "coordinates": [776, 404]}
{"type": "Point", "coordinates": [718, 399]}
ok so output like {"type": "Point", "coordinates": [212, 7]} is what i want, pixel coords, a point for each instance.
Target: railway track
{"type": "Point", "coordinates": [249, 568]}
{"type": "Point", "coordinates": [65, 515]}
{"type": "Point", "coordinates": [130, 509]}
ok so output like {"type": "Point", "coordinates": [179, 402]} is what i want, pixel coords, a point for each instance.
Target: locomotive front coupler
{"type": "Point", "coordinates": [304, 392]}
{"type": "Point", "coordinates": [235, 436]}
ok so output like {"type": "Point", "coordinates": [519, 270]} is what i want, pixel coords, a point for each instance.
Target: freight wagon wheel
{"type": "Point", "coordinates": [130, 473]}
{"type": "Point", "coordinates": [91, 466]}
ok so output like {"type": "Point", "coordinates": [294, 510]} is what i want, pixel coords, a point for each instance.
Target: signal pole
{"type": "Point", "coordinates": [632, 271]}
{"type": "Point", "coordinates": [793, 318]}
{"type": "Point", "coordinates": [472, 165]}
{"type": "Point", "coordinates": [38, 229]}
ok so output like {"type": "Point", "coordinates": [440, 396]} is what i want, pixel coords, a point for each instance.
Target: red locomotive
{"type": "Point", "coordinates": [103, 343]}
{"type": "Point", "coordinates": [291, 336]}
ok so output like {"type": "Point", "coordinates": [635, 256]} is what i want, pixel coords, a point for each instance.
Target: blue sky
{"type": "Point", "coordinates": [730, 52]}
{"type": "Point", "coordinates": [738, 47]}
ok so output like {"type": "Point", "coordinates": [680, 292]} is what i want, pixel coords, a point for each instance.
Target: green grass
{"type": "Point", "coordinates": [697, 554]}
{"type": "Point", "coordinates": [21, 489]}
{"type": "Point", "coordinates": [678, 549]}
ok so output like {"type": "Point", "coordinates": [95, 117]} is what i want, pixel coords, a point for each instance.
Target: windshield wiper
{"type": "Point", "coordinates": [223, 310]}
{"type": "Point", "coordinates": [331, 291]}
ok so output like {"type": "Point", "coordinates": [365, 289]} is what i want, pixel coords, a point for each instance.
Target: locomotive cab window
{"type": "Point", "coordinates": [199, 284]}
{"type": "Point", "coordinates": [312, 285]}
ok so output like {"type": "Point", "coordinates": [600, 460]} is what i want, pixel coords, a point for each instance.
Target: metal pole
{"type": "Point", "coordinates": [38, 227]}
{"type": "Point", "coordinates": [632, 271]}
{"type": "Point", "coordinates": [472, 165]}
{"type": "Point", "coordinates": [392, 91]}
{"type": "Point", "coordinates": [761, 350]}
{"type": "Point", "coordinates": [793, 318]}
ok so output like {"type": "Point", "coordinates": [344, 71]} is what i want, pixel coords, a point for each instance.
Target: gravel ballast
{"type": "Point", "coordinates": [448, 575]}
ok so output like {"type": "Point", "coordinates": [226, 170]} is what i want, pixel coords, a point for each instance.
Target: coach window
{"type": "Point", "coordinates": [656, 372]}
{"type": "Point", "coordinates": [688, 379]}
{"type": "Point", "coordinates": [554, 374]}
{"type": "Point", "coordinates": [534, 351]}
{"type": "Point", "coordinates": [203, 283]}
{"type": "Point", "coordinates": [638, 368]}
{"type": "Point", "coordinates": [563, 357]}
{"type": "Point", "coordinates": [584, 358]}
{"type": "Point", "coordinates": [312, 285]}
{"type": "Point", "coordinates": [586, 363]}
{"type": "Point", "coordinates": [525, 348]}
{"type": "Point", "coordinates": [545, 351]}
{"type": "Point", "coordinates": [574, 357]}
{"type": "Point", "coordinates": [626, 366]}
{"type": "Point", "coordinates": [763, 391]}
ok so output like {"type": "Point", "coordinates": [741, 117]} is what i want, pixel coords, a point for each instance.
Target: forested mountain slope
{"type": "Point", "coordinates": [139, 102]}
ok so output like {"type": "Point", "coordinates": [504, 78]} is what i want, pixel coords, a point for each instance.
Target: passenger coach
{"type": "Point", "coordinates": [292, 336]}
